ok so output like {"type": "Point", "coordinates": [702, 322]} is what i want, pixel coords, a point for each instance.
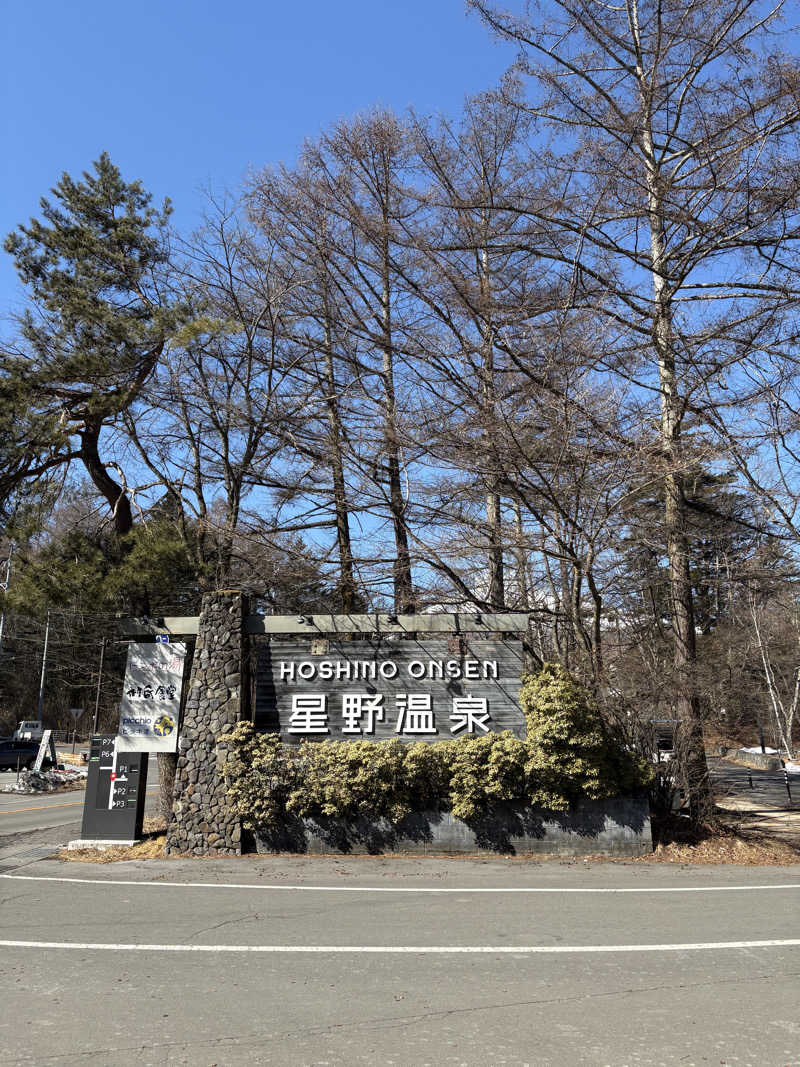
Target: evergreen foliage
{"type": "Point", "coordinates": [91, 267]}
{"type": "Point", "coordinates": [94, 265]}
{"type": "Point", "coordinates": [92, 571]}
{"type": "Point", "coordinates": [572, 752]}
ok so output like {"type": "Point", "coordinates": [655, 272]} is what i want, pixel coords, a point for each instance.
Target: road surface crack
{"type": "Point", "coordinates": [393, 1022]}
{"type": "Point", "coordinates": [225, 922]}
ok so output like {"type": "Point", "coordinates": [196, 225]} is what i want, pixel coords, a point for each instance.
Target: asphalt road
{"type": "Point", "coordinates": [769, 787]}
{"type": "Point", "coordinates": [21, 812]}
{"type": "Point", "coordinates": [330, 961]}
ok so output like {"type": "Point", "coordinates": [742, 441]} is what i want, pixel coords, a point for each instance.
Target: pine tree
{"type": "Point", "coordinates": [95, 265]}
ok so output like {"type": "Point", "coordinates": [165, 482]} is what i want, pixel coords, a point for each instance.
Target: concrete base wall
{"type": "Point", "coordinates": [760, 761]}
{"type": "Point", "coordinates": [616, 827]}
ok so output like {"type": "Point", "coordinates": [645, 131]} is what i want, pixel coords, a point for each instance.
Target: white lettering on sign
{"type": "Point", "coordinates": [472, 669]}
{"type": "Point", "coordinates": [469, 713]}
{"type": "Point", "coordinates": [375, 689]}
{"type": "Point", "coordinates": [309, 715]}
{"type": "Point", "coordinates": [361, 711]}
{"type": "Point", "coordinates": [415, 714]}
{"type": "Point", "coordinates": [358, 705]}
{"type": "Point", "coordinates": [370, 671]}
{"type": "Point", "coordinates": [286, 671]}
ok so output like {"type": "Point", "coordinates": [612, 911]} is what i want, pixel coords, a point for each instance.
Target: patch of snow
{"type": "Point", "coordinates": [45, 781]}
{"type": "Point", "coordinates": [792, 766]}
{"type": "Point", "coordinates": [757, 749]}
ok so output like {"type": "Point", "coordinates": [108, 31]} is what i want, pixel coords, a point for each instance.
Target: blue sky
{"type": "Point", "coordinates": [187, 95]}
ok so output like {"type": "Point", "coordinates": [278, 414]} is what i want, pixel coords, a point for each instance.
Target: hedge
{"type": "Point", "coordinates": [568, 755]}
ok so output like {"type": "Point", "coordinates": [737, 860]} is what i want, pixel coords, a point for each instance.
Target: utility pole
{"type": "Point", "coordinates": [4, 587]}
{"type": "Point", "coordinates": [99, 683]}
{"type": "Point", "coordinates": [44, 666]}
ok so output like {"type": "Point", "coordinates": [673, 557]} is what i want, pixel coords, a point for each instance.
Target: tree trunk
{"type": "Point", "coordinates": [167, 767]}
{"type": "Point", "coordinates": [497, 592]}
{"type": "Point", "coordinates": [113, 493]}
{"type": "Point", "coordinates": [335, 436]}
{"type": "Point", "coordinates": [683, 627]}
{"type": "Point", "coordinates": [117, 499]}
{"type": "Point", "coordinates": [597, 628]}
{"type": "Point", "coordinates": [403, 587]}
{"type": "Point", "coordinates": [521, 560]}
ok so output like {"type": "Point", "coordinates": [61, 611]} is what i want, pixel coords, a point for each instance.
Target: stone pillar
{"type": "Point", "coordinates": [201, 820]}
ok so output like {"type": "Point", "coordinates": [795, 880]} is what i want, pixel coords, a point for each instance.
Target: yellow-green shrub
{"type": "Point", "coordinates": [350, 778]}
{"type": "Point", "coordinates": [261, 774]}
{"type": "Point", "coordinates": [567, 755]}
{"type": "Point", "coordinates": [485, 771]}
{"type": "Point", "coordinates": [572, 754]}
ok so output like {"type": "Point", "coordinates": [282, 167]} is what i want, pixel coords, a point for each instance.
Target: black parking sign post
{"type": "Point", "coordinates": [113, 810]}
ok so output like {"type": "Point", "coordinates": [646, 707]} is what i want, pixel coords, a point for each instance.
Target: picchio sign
{"type": "Point", "coordinates": [151, 698]}
{"type": "Point", "coordinates": [412, 690]}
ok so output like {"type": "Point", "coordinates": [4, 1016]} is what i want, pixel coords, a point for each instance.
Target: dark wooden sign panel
{"type": "Point", "coordinates": [413, 690]}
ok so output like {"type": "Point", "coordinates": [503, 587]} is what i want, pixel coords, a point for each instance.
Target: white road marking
{"type": "Point", "coordinates": [94, 946]}
{"type": "Point", "coordinates": [398, 889]}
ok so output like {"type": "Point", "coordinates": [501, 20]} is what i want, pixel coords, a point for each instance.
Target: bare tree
{"type": "Point", "coordinates": [292, 208]}
{"type": "Point", "coordinates": [213, 427]}
{"type": "Point", "coordinates": [362, 166]}
{"type": "Point", "coordinates": [672, 125]}
{"type": "Point", "coordinates": [477, 269]}
{"type": "Point", "coordinates": [773, 630]}
{"type": "Point", "coordinates": [482, 287]}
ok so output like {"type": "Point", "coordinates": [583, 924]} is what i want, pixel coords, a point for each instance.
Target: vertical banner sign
{"type": "Point", "coordinates": [151, 698]}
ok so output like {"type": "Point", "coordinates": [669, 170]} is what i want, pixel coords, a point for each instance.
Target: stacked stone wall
{"type": "Point", "coordinates": [201, 820]}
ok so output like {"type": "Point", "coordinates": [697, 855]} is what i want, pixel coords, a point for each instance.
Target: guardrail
{"type": "Point", "coordinates": [782, 778]}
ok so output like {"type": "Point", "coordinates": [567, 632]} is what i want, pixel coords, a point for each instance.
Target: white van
{"type": "Point", "coordinates": [29, 730]}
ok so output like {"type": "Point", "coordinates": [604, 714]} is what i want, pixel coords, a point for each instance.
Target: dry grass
{"type": "Point", "coordinates": [717, 850]}
{"type": "Point", "coordinates": [725, 840]}
{"type": "Point", "coordinates": [68, 787]}
{"type": "Point", "coordinates": [727, 848]}
{"type": "Point", "coordinates": [151, 847]}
